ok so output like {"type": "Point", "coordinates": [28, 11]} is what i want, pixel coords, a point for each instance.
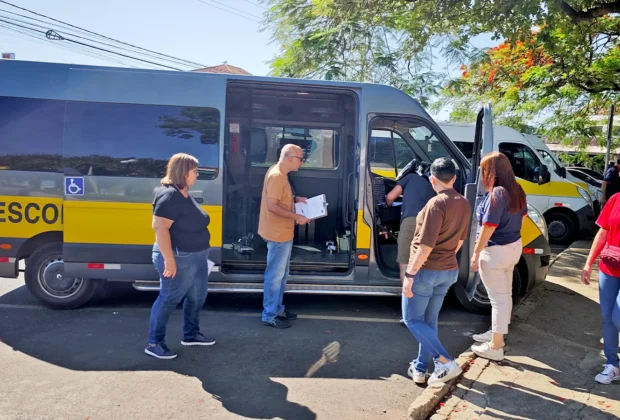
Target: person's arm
{"type": "Point", "coordinates": [275, 190]}
{"type": "Point", "coordinates": [393, 195]}
{"type": "Point", "coordinates": [491, 216]}
{"type": "Point", "coordinates": [599, 240]}
{"type": "Point", "coordinates": [597, 246]}
{"type": "Point", "coordinates": [458, 247]}
{"type": "Point", "coordinates": [274, 206]}
{"type": "Point", "coordinates": [604, 188]}
{"type": "Point", "coordinates": [161, 226]}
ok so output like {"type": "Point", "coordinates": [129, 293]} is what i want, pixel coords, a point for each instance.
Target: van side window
{"type": "Point", "coordinates": [387, 158]}
{"type": "Point", "coordinates": [320, 146]}
{"type": "Point", "coordinates": [31, 134]}
{"type": "Point", "coordinates": [129, 140]}
{"type": "Point", "coordinates": [524, 162]}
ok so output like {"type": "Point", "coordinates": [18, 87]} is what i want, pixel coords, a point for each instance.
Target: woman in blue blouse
{"type": "Point", "coordinates": [498, 247]}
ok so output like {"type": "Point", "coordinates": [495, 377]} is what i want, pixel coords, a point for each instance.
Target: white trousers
{"type": "Point", "coordinates": [496, 264]}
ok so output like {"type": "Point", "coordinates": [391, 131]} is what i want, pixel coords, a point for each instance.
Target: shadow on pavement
{"type": "Point", "coordinates": [242, 369]}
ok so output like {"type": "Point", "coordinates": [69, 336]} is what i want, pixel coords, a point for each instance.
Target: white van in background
{"type": "Point", "coordinates": [558, 167]}
{"type": "Point", "coordinates": [568, 207]}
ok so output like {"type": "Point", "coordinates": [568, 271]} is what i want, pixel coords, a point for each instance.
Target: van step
{"type": "Point", "coordinates": [319, 289]}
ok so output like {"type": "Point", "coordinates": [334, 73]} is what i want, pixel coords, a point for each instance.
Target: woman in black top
{"type": "Point", "coordinates": [180, 256]}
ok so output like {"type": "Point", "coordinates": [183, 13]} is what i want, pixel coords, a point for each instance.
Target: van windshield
{"type": "Point", "coordinates": [550, 160]}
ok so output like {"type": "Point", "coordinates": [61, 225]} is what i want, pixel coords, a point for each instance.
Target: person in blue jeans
{"type": "Point", "coordinates": [276, 226]}
{"type": "Point", "coordinates": [440, 232]}
{"type": "Point", "coordinates": [180, 253]}
{"type": "Point", "coordinates": [606, 244]}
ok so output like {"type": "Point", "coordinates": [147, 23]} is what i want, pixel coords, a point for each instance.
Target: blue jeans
{"type": "Point", "coordinates": [609, 296]}
{"type": "Point", "coordinates": [278, 261]}
{"type": "Point", "coordinates": [421, 313]}
{"type": "Point", "coordinates": [190, 282]}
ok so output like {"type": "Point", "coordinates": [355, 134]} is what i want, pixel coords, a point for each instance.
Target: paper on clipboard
{"type": "Point", "coordinates": [210, 265]}
{"type": "Point", "coordinates": [313, 208]}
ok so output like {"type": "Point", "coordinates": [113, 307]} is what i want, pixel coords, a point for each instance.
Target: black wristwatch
{"type": "Point", "coordinates": [409, 276]}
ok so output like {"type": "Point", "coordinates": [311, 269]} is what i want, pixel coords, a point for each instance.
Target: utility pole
{"type": "Point", "coordinates": [610, 126]}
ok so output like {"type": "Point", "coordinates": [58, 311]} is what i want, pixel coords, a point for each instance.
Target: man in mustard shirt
{"type": "Point", "coordinates": [276, 226]}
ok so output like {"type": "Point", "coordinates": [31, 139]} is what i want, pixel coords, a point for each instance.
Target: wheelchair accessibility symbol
{"type": "Point", "coordinates": [74, 186]}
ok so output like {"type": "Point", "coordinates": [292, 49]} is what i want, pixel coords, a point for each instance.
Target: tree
{"type": "Point", "coordinates": [559, 60]}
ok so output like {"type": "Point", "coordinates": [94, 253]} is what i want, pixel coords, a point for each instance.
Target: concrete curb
{"type": "Point", "coordinates": [425, 404]}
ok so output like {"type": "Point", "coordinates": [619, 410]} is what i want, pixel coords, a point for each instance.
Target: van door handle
{"type": "Point", "coordinates": [199, 199]}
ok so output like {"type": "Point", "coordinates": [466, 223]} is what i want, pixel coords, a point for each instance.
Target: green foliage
{"type": "Point", "coordinates": [559, 62]}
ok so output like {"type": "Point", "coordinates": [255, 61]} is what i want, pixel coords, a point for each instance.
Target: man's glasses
{"type": "Point", "coordinates": [301, 159]}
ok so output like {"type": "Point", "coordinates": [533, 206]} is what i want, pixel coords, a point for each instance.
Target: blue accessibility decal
{"type": "Point", "coordinates": [74, 186]}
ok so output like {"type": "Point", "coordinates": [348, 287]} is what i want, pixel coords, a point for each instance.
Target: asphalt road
{"type": "Point", "coordinates": [89, 363]}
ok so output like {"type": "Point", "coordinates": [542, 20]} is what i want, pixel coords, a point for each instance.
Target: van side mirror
{"type": "Point", "coordinates": [544, 175]}
{"type": "Point", "coordinates": [562, 171]}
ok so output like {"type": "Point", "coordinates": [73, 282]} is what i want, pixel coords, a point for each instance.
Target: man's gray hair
{"type": "Point", "coordinates": [288, 149]}
{"type": "Point", "coordinates": [443, 169]}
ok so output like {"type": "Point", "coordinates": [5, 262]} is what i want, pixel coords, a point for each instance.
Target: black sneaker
{"type": "Point", "coordinates": [276, 323]}
{"type": "Point", "coordinates": [161, 351]}
{"type": "Point", "coordinates": [286, 315]}
{"type": "Point", "coordinates": [199, 340]}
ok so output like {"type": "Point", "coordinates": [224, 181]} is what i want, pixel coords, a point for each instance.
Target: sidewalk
{"type": "Point", "coordinates": [553, 354]}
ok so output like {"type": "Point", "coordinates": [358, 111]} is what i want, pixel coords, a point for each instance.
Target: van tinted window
{"type": "Point", "coordinates": [130, 140]}
{"type": "Point", "coordinates": [31, 132]}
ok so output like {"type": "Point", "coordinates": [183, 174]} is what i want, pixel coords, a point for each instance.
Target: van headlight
{"type": "Point", "coordinates": [538, 220]}
{"type": "Point", "coordinates": [586, 196]}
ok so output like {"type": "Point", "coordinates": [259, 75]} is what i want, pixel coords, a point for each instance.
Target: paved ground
{"type": "Point", "coordinates": [89, 364]}
{"type": "Point", "coordinates": [553, 356]}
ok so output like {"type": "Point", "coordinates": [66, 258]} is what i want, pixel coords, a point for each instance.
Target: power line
{"type": "Point", "coordinates": [47, 27]}
{"type": "Point", "coordinates": [87, 45]}
{"type": "Point", "coordinates": [256, 4]}
{"type": "Point", "coordinates": [234, 8]}
{"type": "Point", "coordinates": [95, 33]}
{"type": "Point", "coordinates": [226, 10]}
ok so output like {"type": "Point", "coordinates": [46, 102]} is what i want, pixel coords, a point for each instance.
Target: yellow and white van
{"type": "Point", "coordinates": [568, 206]}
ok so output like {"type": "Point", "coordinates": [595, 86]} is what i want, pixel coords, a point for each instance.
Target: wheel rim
{"type": "Point", "coordinates": [557, 229]}
{"type": "Point", "coordinates": [481, 295]}
{"type": "Point", "coordinates": [53, 281]}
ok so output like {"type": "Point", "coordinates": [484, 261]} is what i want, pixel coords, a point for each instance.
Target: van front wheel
{"type": "Point", "coordinates": [46, 281]}
{"type": "Point", "coordinates": [561, 228]}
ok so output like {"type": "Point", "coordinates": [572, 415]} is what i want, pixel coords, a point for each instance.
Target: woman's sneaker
{"type": "Point", "coordinates": [443, 373]}
{"type": "Point", "coordinates": [161, 351]}
{"type": "Point", "coordinates": [485, 351]}
{"type": "Point", "coordinates": [609, 374]}
{"type": "Point", "coordinates": [417, 376]}
{"type": "Point", "coordinates": [484, 337]}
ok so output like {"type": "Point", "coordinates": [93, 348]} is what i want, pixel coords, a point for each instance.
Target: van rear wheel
{"type": "Point", "coordinates": [45, 279]}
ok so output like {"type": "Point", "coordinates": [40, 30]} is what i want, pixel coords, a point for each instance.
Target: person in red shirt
{"type": "Point", "coordinates": [607, 245]}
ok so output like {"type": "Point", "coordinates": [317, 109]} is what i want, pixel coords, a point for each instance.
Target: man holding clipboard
{"type": "Point", "coordinates": [276, 226]}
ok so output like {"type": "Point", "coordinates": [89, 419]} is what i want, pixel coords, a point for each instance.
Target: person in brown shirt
{"type": "Point", "coordinates": [442, 227]}
{"type": "Point", "coordinates": [276, 226]}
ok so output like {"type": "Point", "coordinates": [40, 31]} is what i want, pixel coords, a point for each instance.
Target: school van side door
{"type": "Point", "coordinates": [474, 192]}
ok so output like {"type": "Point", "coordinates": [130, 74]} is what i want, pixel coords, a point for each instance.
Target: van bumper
{"type": "Point", "coordinates": [586, 218]}
{"type": "Point", "coordinates": [9, 263]}
{"type": "Point", "coordinates": [537, 258]}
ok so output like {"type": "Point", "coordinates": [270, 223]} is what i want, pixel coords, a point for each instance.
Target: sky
{"type": "Point", "coordinates": [196, 30]}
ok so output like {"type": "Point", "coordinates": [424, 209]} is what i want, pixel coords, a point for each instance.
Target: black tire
{"type": "Point", "coordinates": [481, 304]}
{"type": "Point", "coordinates": [43, 269]}
{"type": "Point", "coordinates": [562, 228]}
